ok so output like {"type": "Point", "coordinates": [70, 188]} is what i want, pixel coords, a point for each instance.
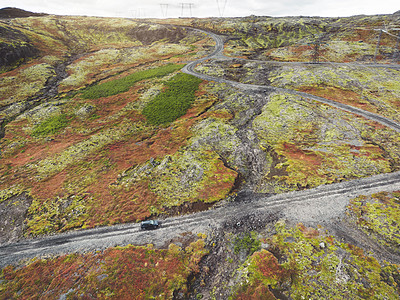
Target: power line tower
{"type": "Point", "coordinates": [187, 5]}
{"type": "Point", "coordinates": [138, 13]}
{"type": "Point", "coordinates": [221, 7]}
{"type": "Point", "coordinates": [377, 45]}
{"type": "Point", "coordinates": [316, 52]}
{"type": "Point", "coordinates": [164, 9]}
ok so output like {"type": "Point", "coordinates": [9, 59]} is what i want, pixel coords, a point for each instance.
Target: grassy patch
{"type": "Point", "coordinates": [174, 102]}
{"type": "Point", "coordinates": [51, 125]}
{"type": "Point", "coordinates": [121, 85]}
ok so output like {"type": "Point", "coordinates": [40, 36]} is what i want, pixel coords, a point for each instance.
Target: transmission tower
{"type": "Point", "coordinates": [397, 55]}
{"type": "Point", "coordinates": [138, 13]}
{"type": "Point", "coordinates": [164, 9]}
{"type": "Point", "coordinates": [316, 50]}
{"type": "Point", "coordinates": [377, 45]}
{"type": "Point", "coordinates": [187, 5]}
{"type": "Point", "coordinates": [221, 7]}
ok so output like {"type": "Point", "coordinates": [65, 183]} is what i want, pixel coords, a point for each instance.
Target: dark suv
{"type": "Point", "coordinates": [150, 224]}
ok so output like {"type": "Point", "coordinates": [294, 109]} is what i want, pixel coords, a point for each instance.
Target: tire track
{"type": "Point", "coordinates": [102, 238]}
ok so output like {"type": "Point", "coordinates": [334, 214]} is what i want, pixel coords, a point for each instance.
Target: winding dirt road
{"type": "Point", "coordinates": [323, 205]}
{"type": "Point", "coordinates": [218, 54]}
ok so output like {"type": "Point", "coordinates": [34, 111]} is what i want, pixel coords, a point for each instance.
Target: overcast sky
{"type": "Point", "coordinates": [206, 8]}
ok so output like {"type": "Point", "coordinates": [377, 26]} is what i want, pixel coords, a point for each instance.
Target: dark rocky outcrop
{"type": "Point", "coordinates": [16, 49]}
{"type": "Point", "coordinates": [13, 55]}
{"type": "Point", "coordinates": [148, 35]}
{"type": "Point", "coordinates": [12, 12]}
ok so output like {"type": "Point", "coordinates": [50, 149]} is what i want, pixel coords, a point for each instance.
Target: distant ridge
{"type": "Point", "coordinates": [12, 12]}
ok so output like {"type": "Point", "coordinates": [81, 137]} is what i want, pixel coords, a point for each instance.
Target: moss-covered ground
{"type": "Point", "coordinates": [111, 147]}
{"type": "Point", "coordinates": [379, 216]}
{"type": "Point", "coordinates": [372, 89]}
{"type": "Point", "coordinates": [294, 38]}
{"type": "Point", "coordinates": [305, 263]}
{"type": "Point", "coordinates": [316, 144]}
{"type": "Point", "coordinates": [98, 156]}
{"type": "Point", "coordinates": [90, 162]}
{"type": "Point", "coordinates": [120, 273]}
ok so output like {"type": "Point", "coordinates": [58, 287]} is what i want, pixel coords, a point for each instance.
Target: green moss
{"type": "Point", "coordinates": [316, 144]}
{"type": "Point", "coordinates": [124, 84]}
{"type": "Point", "coordinates": [373, 89]}
{"type": "Point", "coordinates": [27, 82]}
{"type": "Point", "coordinates": [186, 177]}
{"type": "Point", "coordinates": [59, 215]}
{"type": "Point", "coordinates": [247, 242]}
{"type": "Point", "coordinates": [80, 150]}
{"type": "Point", "coordinates": [173, 103]}
{"type": "Point", "coordinates": [51, 125]}
{"type": "Point", "coordinates": [11, 192]}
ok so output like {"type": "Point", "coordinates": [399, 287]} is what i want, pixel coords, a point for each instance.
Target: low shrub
{"type": "Point", "coordinates": [173, 103]}
{"type": "Point", "coordinates": [247, 242]}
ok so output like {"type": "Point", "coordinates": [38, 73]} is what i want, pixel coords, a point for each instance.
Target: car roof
{"type": "Point", "coordinates": [150, 222]}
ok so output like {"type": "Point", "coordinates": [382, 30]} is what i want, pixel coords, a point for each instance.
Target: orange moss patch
{"type": "Point", "coordinates": [224, 115]}
{"type": "Point", "coordinates": [119, 206]}
{"type": "Point", "coordinates": [309, 158]}
{"type": "Point", "coordinates": [343, 96]}
{"type": "Point", "coordinates": [266, 271]}
{"type": "Point", "coordinates": [308, 232]}
{"type": "Point", "coordinates": [219, 184]}
{"type": "Point", "coordinates": [49, 188]}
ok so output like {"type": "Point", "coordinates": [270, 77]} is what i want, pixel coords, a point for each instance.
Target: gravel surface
{"type": "Point", "coordinates": [322, 205]}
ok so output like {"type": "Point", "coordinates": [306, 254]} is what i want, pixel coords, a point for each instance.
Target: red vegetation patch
{"type": "Point", "coordinates": [308, 232]}
{"type": "Point", "coordinates": [260, 292]}
{"type": "Point", "coordinates": [268, 265]}
{"type": "Point", "coordinates": [267, 273]}
{"type": "Point", "coordinates": [219, 184]}
{"type": "Point", "coordinates": [343, 96]}
{"type": "Point", "coordinates": [49, 188]}
{"type": "Point", "coordinates": [120, 273]}
{"type": "Point", "coordinates": [309, 158]}
{"type": "Point", "coordinates": [120, 205]}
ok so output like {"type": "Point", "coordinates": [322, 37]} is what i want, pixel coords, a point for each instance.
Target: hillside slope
{"type": "Point", "coordinates": [100, 127]}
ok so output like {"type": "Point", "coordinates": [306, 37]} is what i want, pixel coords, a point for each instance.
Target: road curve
{"type": "Point", "coordinates": [218, 54]}
{"type": "Point", "coordinates": [321, 205]}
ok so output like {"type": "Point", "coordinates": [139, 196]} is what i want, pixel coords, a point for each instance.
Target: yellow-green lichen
{"type": "Point", "coordinates": [316, 144]}
{"type": "Point", "coordinates": [378, 215]}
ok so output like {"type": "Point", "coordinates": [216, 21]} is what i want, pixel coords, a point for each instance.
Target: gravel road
{"type": "Point", "coordinates": [322, 205]}
{"type": "Point", "coordinates": [218, 54]}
